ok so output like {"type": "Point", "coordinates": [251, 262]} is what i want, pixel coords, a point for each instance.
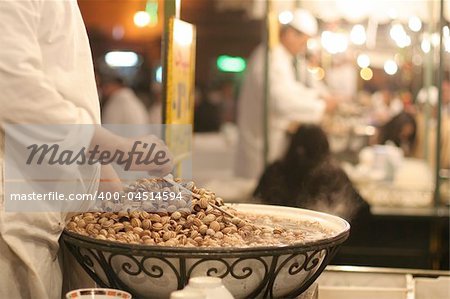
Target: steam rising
{"type": "Point", "coordinates": [308, 177]}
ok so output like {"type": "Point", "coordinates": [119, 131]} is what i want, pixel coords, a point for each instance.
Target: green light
{"type": "Point", "coordinates": [151, 8]}
{"type": "Point", "coordinates": [230, 64]}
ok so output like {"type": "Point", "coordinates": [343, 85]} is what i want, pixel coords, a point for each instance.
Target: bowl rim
{"type": "Point", "coordinates": [75, 291]}
{"type": "Point", "coordinates": [164, 251]}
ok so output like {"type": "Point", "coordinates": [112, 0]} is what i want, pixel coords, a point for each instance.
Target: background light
{"type": "Point", "coordinates": [404, 41]}
{"type": "Point", "coordinates": [230, 64]}
{"type": "Point", "coordinates": [158, 74]}
{"type": "Point", "coordinates": [141, 19]}
{"type": "Point", "coordinates": [446, 31]}
{"type": "Point", "coordinates": [183, 34]}
{"type": "Point", "coordinates": [392, 13]}
{"type": "Point", "coordinates": [415, 24]}
{"type": "Point", "coordinates": [121, 59]}
{"type": "Point", "coordinates": [334, 42]}
{"type": "Point", "coordinates": [312, 44]}
{"type": "Point", "coordinates": [447, 44]}
{"type": "Point", "coordinates": [358, 35]}
{"type": "Point", "coordinates": [390, 67]}
{"type": "Point", "coordinates": [285, 17]}
{"type": "Point", "coordinates": [318, 73]}
{"type": "Point", "coordinates": [397, 32]}
{"type": "Point", "coordinates": [446, 34]}
{"type": "Point", "coordinates": [425, 45]}
{"type": "Point", "coordinates": [352, 10]}
{"type": "Point", "coordinates": [363, 60]}
{"type": "Point", "coordinates": [152, 10]}
{"type": "Point", "coordinates": [366, 73]}
{"type": "Point", "coordinates": [435, 38]}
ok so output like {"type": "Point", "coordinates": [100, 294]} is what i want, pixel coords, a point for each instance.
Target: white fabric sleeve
{"type": "Point", "coordinates": [292, 99]}
{"type": "Point", "coordinates": [27, 95]}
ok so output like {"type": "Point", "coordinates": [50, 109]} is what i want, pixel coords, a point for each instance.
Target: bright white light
{"type": "Point", "coordinates": [358, 35]}
{"type": "Point", "coordinates": [425, 45]}
{"type": "Point", "coordinates": [397, 32]}
{"type": "Point", "coordinates": [312, 44]}
{"type": "Point", "coordinates": [334, 42]}
{"type": "Point", "coordinates": [183, 33]}
{"type": "Point", "coordinates": [158, 75]}
{"type": "Point", "coordinates": [404, 41]}
{"type": "Point", "coordinates": [121, 59]}
{"type": "Point", "coordinates": [352, 10]}
{"type": "Point", "coordinates": [415, 24]}
{"type": "Point", "coordinates": [390, 67]}
{"type": "Point", "coordinates": [363, 60]}
{"type": "Point", "coordinates": [392, 13]}
{"type": "Point", "coordinates": [141, 18]}
{"type": "Point", "coordinates": [445, 31]}
{"type": "Point", "coordinates": [447, 43]}
{"type": "Point", "coordinates": [177, 8]}
{"type": "Point", "coordinates": [341, 41]}
{"type": "Point", "coordinates": [285, 17]}
{"type": "Point", "coordinates": [435, 39]}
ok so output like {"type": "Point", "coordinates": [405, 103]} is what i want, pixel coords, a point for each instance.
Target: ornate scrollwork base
{"type": "Point", "coordinates": [154, 273]}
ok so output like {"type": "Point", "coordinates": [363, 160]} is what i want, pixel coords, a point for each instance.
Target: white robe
{"type": "Point", "coordinates": [124, 107]}
{"type": "Point", "coordinates": [46, 77]}
{"type": "Point", "coordinates": [289, 101]}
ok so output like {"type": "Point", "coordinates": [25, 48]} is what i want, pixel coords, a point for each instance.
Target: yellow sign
{"type": "Point", "coordinates": [180, 73]}
{"type": "Point", "coordinates": [180, 86]}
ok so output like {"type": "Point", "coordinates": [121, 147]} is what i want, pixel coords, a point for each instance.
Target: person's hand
{"type": "Point", "coordinates": [148, 153]}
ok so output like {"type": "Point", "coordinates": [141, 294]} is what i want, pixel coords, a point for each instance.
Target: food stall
{"type": "Point", "coordinates": [262, 251]}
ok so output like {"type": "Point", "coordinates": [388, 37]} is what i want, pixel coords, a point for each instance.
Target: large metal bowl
{"type": "Point", "coordinates": [256, 272]}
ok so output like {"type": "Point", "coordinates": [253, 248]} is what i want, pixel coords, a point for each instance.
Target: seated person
{"type": "Point", "coordinates": [307, 177]}
{"type": "Point", "coordinates": [401, 131]}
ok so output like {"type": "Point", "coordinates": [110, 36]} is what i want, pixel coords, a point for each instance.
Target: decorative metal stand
{"type": "Point", "coordinates": [270, 269]}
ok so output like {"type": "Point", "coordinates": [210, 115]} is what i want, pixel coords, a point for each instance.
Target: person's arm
{"type": "Point", "coordinates": [27, 95]}
{"type": "Point", "coordinates": [104, 140]}
{"type": "Point", "coordinates": [290, 98]}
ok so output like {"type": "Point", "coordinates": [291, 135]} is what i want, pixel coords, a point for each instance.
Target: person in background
{"type": "Point", "coordinates": [290, 100]}
{"type": "Point", "coordinates": [401, 130]}
{"type": "Point", "coordinates": [120, 105]}
{"type": "Point", "coordinates": [308, 177]}
{"type": "Point", "coordinates": [342, 77]}
{"type": "Point", "coordinates": [385, 105]}
{"type": "Point", "coordinates": [155, 110]}
{"type": "Point", "coordinates": [207, 113]}
{"type": "Point", "coordinates": [223, 95]}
